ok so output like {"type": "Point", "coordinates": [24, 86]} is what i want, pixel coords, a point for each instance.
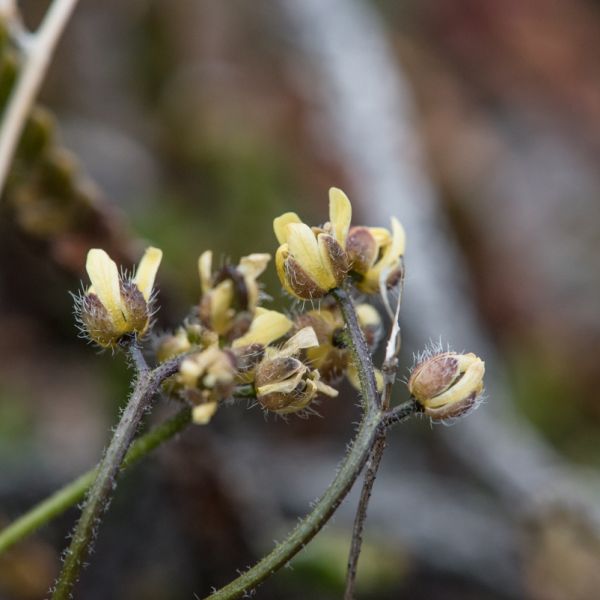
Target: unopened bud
{"type": "Point", "coordinates": [447, 385]}
{"type": "Point", "coordinates": [362, 249]}
{"type": "Point", "coordinates": [285, 385]}
{"type": "Point", "coordinates": [207, 377]}
{"type": "Point", "coordinates": [170, 345]}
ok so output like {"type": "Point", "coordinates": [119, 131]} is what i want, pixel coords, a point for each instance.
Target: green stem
{"type": "Point", "coordinates": [360, 350]}
{"type": "Point", "coordinates": [73, 492]}
{"type": "Point", "coordinates": [313, 522]}
{"type": "Point", "coordinates": [347, 473]}
{"type": "Point", "coordinates": [97, 501]}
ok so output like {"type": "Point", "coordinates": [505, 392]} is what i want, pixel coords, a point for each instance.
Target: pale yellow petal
{"type": "Point", "coordinates": [202, 414]}
{"type": "Point", "coordinates": [280, 225]}
{"type": "Point", "coordinates": [104, 275]}
{"type": "Point", "coordinates": [205, 270]}
{"type": "Point", "coordinates": [221, 311]}
{"type": "Point", "coordinates": [368, 316]}
{"type": "Point", "coordinates": [146, 271]}
{"type": "Point", "coordinates": [382, 235]}
{"type": "Point", "coordinates": [396, 249]}
{"type": "Point", "coordinates": [305, 338]}
{"type": "Point", "coordinates": [304, 247]}
{"type": "Point", "coordinates": [287, 386]}
{"type": "Point", "coordinates": [323, 388]}
{"type": "Point", "coordinates": [280, 258]}
{"type": "Point", "coordinates": [267, 326]}
{"type": "Point", "coordinates": [469, 383]}
{"type": "Point", "coordinates": [354, 379]}
{"type": "Point", "coordinates": [189, 371]}
{"type": "Point", "coordinates": [254, 264]}
{"type": "Point", "coordinates": [340, 214]}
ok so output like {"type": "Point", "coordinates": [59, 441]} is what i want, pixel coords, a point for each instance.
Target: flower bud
{"type": "Point", "coordinates": [170, 345]}
{"type": "Point", "coordinates": [388, 267]}
{"type": "Point", "coordinates": [114, 306]}
{"type": "Point", "coordinates": [448, 384]}
{"type": "Point", "coordinates": [312, 262]}
{"type": "Point", "coordinates": [230, 296]}
{"type": "Point", "coordinates": [283, 383]}
{"type": "Point", "coordinates": [206, 377]}
{"type": "Point", "coordinates": [362, 249]}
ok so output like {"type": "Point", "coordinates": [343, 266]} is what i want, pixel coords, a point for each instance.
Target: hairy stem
{"type": "Point", "coordinates": [74, 491]}
{"type": "Point", "coordinates": [39, 50]}
{"type": "Point", "coordinates": [312, 523]}
{"type": "Point", "coordinates": [104, 484]}
{"type": "Point", "coordinates": [399, 413]}
{"type": "Point", "coordinates": [389, 369]}
{"type": "Point", "coordinates": [360, 350]}
{"type": "Point", "coordinates": [361, 512]}
{"type": "Point", "coordinates": [347, 473]}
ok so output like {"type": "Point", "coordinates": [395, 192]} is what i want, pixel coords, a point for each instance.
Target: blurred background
{"type": "Point", "coordinates": [190, 125]}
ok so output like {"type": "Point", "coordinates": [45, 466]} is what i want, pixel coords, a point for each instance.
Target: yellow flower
{"type": "Point", "coordinates": [206, 377]}
{"type": "Point", "coordinates": [283, 383]}
{"type": "Point", "coordinates": [230, 296]}
{"type": "Point", "coordinates": [113, 306]}
{"type": "Point", "coordinates": [312, 262]}
{"type": "Point", "coordinates": [266, 327]}
{"type": "Point", "coordinates": [447, 384]}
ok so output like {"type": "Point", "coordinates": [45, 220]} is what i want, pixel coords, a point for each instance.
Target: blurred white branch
{"type": "Point", "coordinates": [370, 125]}
{"type": "Point", "coordinates": [37, 54]}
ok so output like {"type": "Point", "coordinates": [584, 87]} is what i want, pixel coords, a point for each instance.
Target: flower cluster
{"type": "Point", "coordinates": [230, 346]}
{"type": "Point", "coordinates": [313, 261]}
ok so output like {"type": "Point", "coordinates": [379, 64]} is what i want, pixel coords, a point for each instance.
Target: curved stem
{"type": "Point", "coordinates": [40, 48]}
{"type": "Point", "coordinates": [313, 522]}
{"type": "Point", "coordinates": [346, 476]}
{"type": "Point", "coordinates": [104, 484]}
{"type": "Point", "coordinates": [373, 463]}
{"type": "Point", "coordinates": [360, 350]}
{"type": "Point", "coordinates": [74, 491]}
{"type": "Point", "coordinates": [389, 369]}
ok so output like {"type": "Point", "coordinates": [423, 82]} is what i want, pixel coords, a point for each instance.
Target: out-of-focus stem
{"type": "Point", "coordinates": [38, 52]}
{"type": "Point", "coordinates": [74, 491]}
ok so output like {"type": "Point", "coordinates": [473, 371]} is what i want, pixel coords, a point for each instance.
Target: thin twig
{"type": "Point", "coordinates": [73, 492]}
{"type": "Point", "coordinates": [361, 512]}
{"type": "Point", "coordinates": [39, 51]}
{"type": "Point", "coordinates": [399, 413]}
{"type": "Point", "coordinates": [345, 478]}
{"type": "Point", "coordinates": [97, 501]}
{"type": "Point", "coordinates": [360, 350]}
{"type": "Point", "coordinates": [390, 366]}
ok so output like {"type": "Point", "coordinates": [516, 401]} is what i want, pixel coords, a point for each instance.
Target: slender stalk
{"type": "Point", "coordinates": [104, 484]}
{"type": "Point", "coordinates": [74, 492]}
{"type": "Point", "coordinates": [389, 369]}
{"type": "Point", "coordinates": [361, 513]}
{"type": "Point", "coordinates": [313, 522]}
{"type": "Point", "coordinates": [39, 51]}
{"type": "Point", "coordinates": [399, 413]}
{"type": "Point", "coordinates": [360, 350]}
{"type": "Point", "coordinates": [346, 476]}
